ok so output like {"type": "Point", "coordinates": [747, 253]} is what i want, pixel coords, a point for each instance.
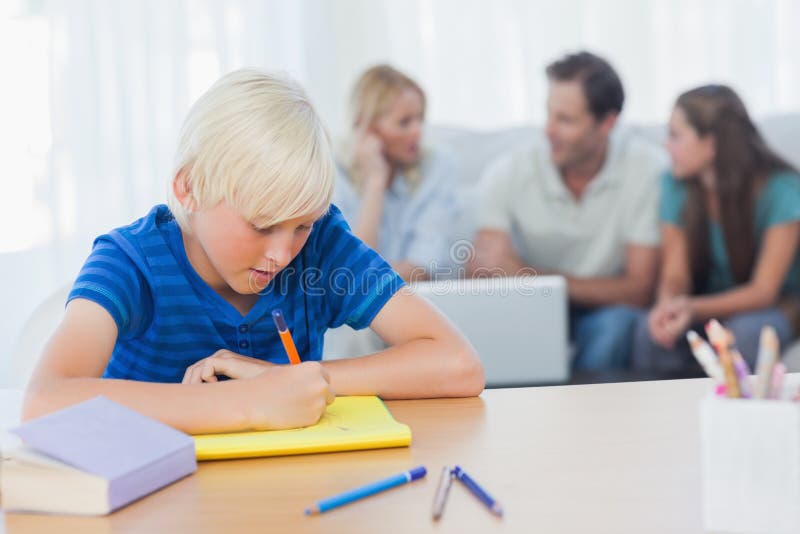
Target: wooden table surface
{"type": "Point", "coordinates": [590, 458]}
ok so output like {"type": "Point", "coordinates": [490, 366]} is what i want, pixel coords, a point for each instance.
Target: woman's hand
{"type": "Point", "coordinates": [669, 320]}
{"type": "Point", "coordinates": [224, 362]}
{"type": "Point", "coordinates": [369, 161]}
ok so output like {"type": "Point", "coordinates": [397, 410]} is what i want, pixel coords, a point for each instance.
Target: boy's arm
{"type": "Point", "coordinates": [79, 350]}
{"type": "Point", "coordinates": [427, 356]}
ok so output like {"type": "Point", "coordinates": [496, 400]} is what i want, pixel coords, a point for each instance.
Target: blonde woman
{"type": "Point", "coordinates": [166, 305]}
{"type": "Point", "coordinates": [400, 198]}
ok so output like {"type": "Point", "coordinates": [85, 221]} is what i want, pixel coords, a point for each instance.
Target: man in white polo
{"type": "Point", "coordinates": [583, 205]}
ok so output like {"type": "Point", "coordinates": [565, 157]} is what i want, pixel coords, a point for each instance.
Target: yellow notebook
{"type": "Point", "coordinates": [349, 423]}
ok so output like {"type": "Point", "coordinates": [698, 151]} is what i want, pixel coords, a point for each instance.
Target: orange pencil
{"type": "Point", "coordinates": [286, 336]}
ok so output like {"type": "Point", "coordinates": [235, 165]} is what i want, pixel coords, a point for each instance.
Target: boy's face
{"type": "Point", "coordinates": [232, 253]}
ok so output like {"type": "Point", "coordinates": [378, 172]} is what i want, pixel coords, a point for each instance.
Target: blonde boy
{"type": "Point", "coordinates": [165, 306]}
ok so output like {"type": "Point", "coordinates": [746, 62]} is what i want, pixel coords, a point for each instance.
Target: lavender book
{"type": "Point", "coordinates": [92, 458]}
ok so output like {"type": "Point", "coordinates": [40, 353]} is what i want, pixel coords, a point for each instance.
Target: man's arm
{"type": "Point", "coordinates": [640, 233]}
{"type": "Point", "coordinates": [494, 255]}
{"type": "Point", "coordinates": [634, 287]}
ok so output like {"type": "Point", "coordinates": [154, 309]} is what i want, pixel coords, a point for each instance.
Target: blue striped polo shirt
{"type": "Point", "coordinates": [168, 318]}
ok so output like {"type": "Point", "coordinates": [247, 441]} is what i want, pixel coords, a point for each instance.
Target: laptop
{"type": "Point", "coordinates": [518, 326]}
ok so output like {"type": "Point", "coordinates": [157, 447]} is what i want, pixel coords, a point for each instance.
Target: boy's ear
{"type": "Point", "coordinates": [182, 190]}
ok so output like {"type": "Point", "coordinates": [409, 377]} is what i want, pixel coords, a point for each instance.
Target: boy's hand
{"type": "Point", "coordinates": [287, 396]}
{"type": "Point", "coordinates": [224, 362]}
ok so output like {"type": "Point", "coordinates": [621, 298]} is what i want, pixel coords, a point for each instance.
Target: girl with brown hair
{"type": "Point", "coordinates": [730, 213]}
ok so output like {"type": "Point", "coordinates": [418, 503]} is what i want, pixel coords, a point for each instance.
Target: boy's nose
{"type": "Point", "coordinates": [279, 253]}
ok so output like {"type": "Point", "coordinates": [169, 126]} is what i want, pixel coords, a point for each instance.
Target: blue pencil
{"type": "Point", "coordinates": [476, 490]}
{"type": "Point", "coordinates": [365, 491]}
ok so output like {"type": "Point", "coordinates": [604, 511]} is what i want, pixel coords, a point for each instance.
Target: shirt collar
{"type": "Point", "coordinates": [554, 183]}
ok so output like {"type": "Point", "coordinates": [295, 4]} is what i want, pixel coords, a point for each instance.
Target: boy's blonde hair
{"type": "Point", "coordinates": [255, 141]}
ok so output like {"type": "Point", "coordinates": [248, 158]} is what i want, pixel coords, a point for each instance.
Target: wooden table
{"type": "Point", "coordinates": [600, 458]}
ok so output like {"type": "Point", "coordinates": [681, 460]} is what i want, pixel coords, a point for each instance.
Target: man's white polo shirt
{"type": "Point", "coordinates": [524, 194]}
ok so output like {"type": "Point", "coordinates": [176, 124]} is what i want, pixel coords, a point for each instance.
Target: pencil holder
{"type": "Point", "coordinates": [751, 465]}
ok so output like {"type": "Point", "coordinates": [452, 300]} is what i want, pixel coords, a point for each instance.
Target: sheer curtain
{"type": "Point", "coordinates": [95, 90]}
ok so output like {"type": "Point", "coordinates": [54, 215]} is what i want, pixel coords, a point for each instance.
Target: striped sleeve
{"type": "Point", "coordinates": [111, 279]}
{"type": "Point", "coordinates": [356, 281]}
